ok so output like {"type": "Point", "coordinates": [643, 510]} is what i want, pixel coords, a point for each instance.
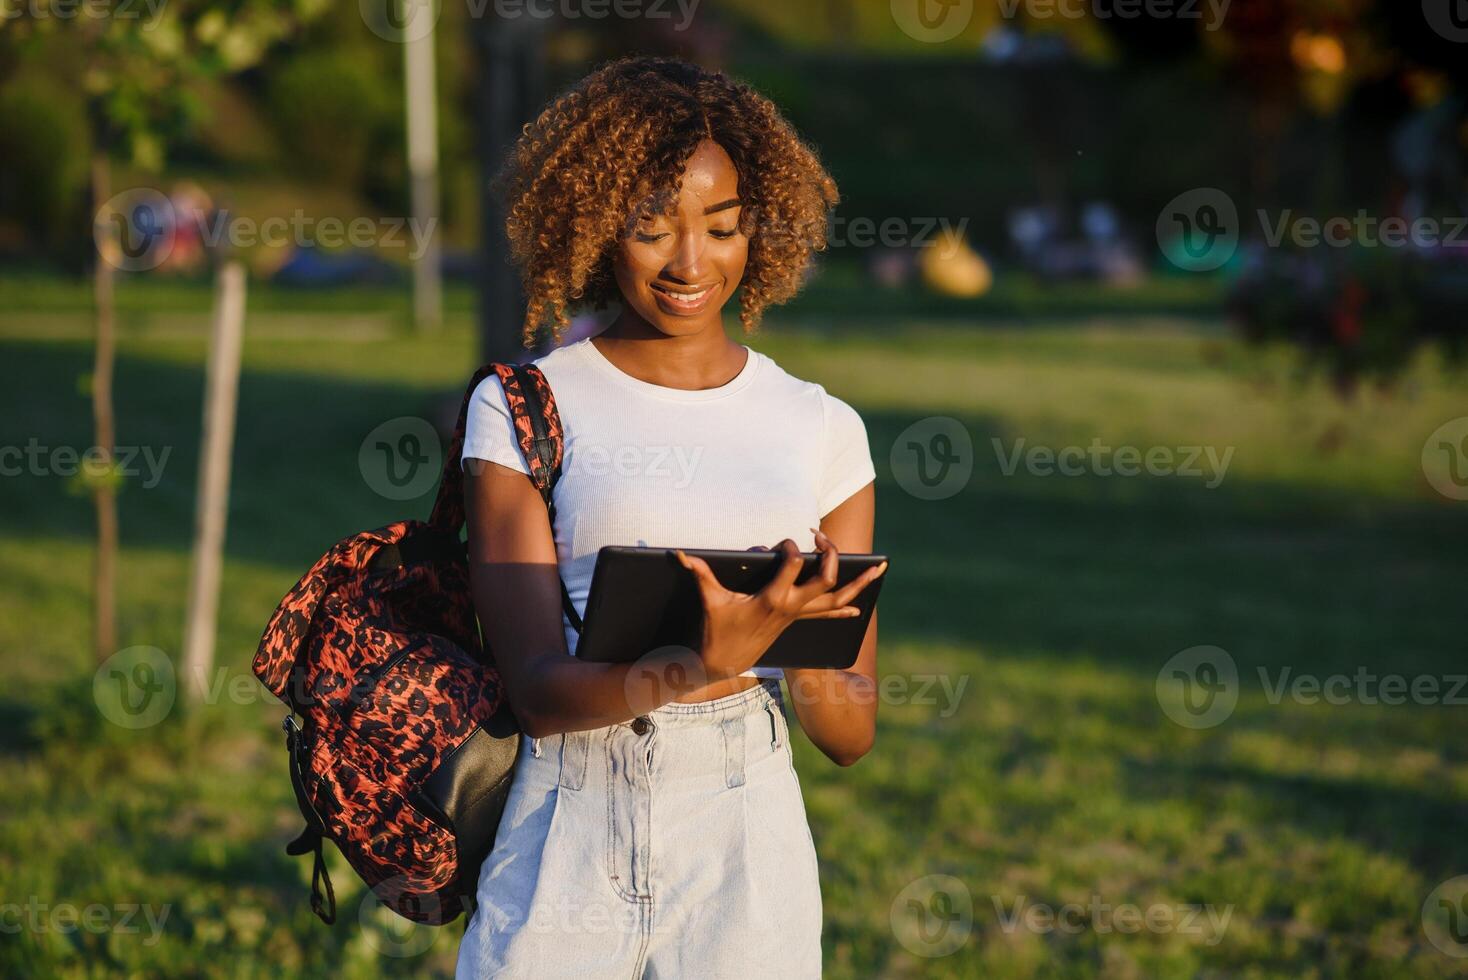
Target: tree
{"type": "Point", "coordinates": [138, 66]}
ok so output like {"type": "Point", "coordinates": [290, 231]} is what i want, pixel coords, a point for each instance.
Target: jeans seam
{"type": "Point", "coordinates": [733, 731]}
{"type": "Point", "coordinates": [612, 878]}
{"type": "Point", "coordinates": [639, 967]}
{"type": "Point", "coordinates": [575, 750]}
{"type": "Point", "coordinates": [756, 816]}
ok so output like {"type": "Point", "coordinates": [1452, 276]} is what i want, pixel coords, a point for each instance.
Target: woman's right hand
{"type": "Point", "coordinates": [738, 627]}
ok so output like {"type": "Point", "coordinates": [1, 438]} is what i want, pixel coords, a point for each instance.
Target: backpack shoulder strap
{"type": "Point", "coordinates": [448, 506]}
{"type": "Point", "coordinates": [542, 442]}
{"type": "Point", "coordinates": [537, 426]}
{"type": "Point", "coordinates": [538, 430]}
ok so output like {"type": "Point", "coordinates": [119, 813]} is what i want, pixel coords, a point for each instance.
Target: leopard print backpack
{"type": "Point", "coordinates": [405, 745]}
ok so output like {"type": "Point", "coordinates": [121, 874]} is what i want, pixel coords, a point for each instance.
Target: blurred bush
{"type": "Point", "coordinates": [976, 140]}
{"type": "Point", "coordinates": [234, 133]}
{"type": "Point", "coordinates": [1359, 316]}
{"type": "Point", "coordinates": [334, 112]}
{"type": "Point", "coordinates": [45, 147]}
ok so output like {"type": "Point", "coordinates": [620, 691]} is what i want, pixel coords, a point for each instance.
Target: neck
{"type": "Point", "coordinates": [694, 361]}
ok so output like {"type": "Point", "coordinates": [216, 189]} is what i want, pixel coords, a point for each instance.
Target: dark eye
{"type": "Point", "coordinates": [643, 236]}
{"type": "Point", "coordinates": [722, 234]}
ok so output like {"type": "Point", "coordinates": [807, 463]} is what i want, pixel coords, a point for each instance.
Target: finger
{"type": "Point", "coordinates": [823, 602]}
{"type": "Point", "coordinates": [708, 583]}
{"type": "Point", "coordinates": [854, 588]}
{"type": "Point", "coordinates": [825, 579]}
{"type": "Point", "coordinates": [844, 612]}
{"type": "Point", "coordinates": [785, 578]}
{"type": "Point", "coordinates": [830, 559]}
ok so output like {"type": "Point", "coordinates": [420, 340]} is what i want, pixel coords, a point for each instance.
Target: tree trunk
{"type": "Point", "coordinates": [104, 493]}
{"type": "Point", "coordinates": [511, 84]}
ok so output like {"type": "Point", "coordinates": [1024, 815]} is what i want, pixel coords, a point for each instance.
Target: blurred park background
{"type": "Point", "coordinates": [1173, 294]}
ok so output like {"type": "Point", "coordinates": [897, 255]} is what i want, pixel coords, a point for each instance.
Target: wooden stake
{"type": "Point", "coordinates": [104, 494]}
{"type": "Point", "coordinates": [212, 498]}
{"type": "Point", "coordinates": [420, 102]}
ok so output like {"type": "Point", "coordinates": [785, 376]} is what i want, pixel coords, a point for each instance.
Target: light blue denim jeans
{"type": "Point", "coordinates": [671, 846]}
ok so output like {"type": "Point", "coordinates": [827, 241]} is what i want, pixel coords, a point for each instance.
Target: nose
{"type": "Point", "coordinates": [686, 263]}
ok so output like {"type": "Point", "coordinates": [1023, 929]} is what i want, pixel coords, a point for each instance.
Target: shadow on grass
{"type": "Point", "coordinates": [1415, 823]}
{"type": "Point", "coordinates": [296, 486]}
{"type": "Point", "coordinates": [18, 720]}
{"type": "Point", "coordinates": [1121, 573]}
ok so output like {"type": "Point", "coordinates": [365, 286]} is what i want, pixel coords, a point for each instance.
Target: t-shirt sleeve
{"type": "Point", "coordinates": [489, 431]}
{"type": "Point", "coordinates": [847, 459]}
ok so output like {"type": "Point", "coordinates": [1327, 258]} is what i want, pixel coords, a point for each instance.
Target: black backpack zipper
{"type": "Point", "coordinates": [366, 685]}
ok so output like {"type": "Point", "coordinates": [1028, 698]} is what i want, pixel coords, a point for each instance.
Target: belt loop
{"type": "Point", "coordinates": [573, 759]}
{"type": "Point", "coordinates": [733, 729]}
{"type": "Point", "coordinates": [535, 747]}
{"type": "Point", "coordinates": [774, 726]}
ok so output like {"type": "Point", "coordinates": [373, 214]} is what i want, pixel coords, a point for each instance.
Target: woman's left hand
{"type": "Point", "coordinates": [841, 610]}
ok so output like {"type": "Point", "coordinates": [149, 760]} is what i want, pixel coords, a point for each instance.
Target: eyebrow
{"type": "Point", "coordinates": [733, 202]}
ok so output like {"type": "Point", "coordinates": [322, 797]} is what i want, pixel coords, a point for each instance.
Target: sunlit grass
{"type": "Point", "coordinates": [1044, 773]}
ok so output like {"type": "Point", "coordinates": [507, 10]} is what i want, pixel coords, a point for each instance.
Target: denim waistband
{"type": "Point", "coordinates": [711, 736]}
{"type": "Point", "coordinates": [750, 700]}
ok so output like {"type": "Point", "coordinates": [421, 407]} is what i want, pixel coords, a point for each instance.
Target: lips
{"type": "Point", "coordinates": [683, 300]}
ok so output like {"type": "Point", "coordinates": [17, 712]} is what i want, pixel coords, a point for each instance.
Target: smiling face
{"type": "Point", "coordinates": [676, 271]}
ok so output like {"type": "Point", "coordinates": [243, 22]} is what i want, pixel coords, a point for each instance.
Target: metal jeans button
{"type": "Point", "coordinates": [640, 725]}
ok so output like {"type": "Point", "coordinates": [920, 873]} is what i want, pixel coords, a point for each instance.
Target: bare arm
{"type": "Point", "coordinates": [517, 593]}
{"type": "Point", "coordinates": [838, 708]}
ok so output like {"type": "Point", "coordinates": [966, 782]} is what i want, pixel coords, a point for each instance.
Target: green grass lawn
{"type": "Point", "coordinates": [1313, 833]}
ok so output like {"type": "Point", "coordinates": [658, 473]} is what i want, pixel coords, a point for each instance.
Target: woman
{"type": "Point", "coordinates": [658, 830]}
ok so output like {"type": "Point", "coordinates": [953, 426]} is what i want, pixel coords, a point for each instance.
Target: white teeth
{"type": "Point", "coordinates": [685, 297]}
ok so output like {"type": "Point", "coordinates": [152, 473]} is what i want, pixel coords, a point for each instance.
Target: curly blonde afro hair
{"type": "Point", "coordinates": [614, 147]}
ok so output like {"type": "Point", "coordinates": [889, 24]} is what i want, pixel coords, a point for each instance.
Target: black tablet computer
{"type": "Point", "coordinates": [643, 598]}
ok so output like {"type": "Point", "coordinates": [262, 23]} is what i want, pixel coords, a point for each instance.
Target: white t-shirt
{"type": "Point", "coordinates": [761, 458]}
